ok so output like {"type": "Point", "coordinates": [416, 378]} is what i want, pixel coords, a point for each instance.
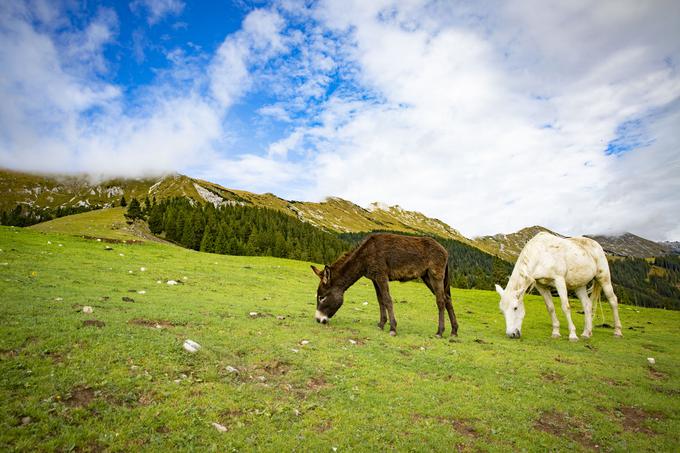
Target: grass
{"type": "Point", "coordinates": [125, 383]}
{"type": "Point", "coordinates": [102, 223]}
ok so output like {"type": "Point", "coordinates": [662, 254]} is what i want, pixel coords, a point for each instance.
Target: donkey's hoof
{"type": "Point", "coordinates": [556, 335]}
{"type": "Point", "coordinates": [438, 335]}
{"type": "Point", "coordinates": [381, 326]}
{"type": "Point", "coordinates": [393, 333]}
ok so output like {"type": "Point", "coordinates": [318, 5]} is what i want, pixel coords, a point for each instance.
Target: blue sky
{"type": "Point", "coordinates": [487, 115]}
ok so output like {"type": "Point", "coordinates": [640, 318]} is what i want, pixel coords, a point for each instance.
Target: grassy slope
{"type": "Point", "coordinates": [127, 386]}
{"type": "Point", "coordinates": [102, 223]}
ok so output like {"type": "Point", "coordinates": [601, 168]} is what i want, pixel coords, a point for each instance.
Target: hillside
{"type": "Point", "coordinates": [269, 378]}
{"type": "Point", "coordinates": [508, 246]}
{"type": "Point", "coordinates": [39, 192]}
{"type": "Point", "coordinates": [628, 244]}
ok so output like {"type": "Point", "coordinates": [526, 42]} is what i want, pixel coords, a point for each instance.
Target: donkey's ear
{"type": "Point", "coordinates": [499, 290]}
{"type": "Point", "coordinates": [326, 278]}
{"type": "Point", "coordinates": [317, 271]}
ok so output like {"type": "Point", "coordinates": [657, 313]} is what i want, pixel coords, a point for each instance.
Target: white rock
{"type": "Point", "coordinates": [304, 342]}
{"type": "Point", "coordinates": [141, 292]}
{"type": "Point", "coordinates": [142, 269]}
{"type": "Point", "coordinates": [253, 313]}
{"type": "Point", "coordinates": [191, 346]}
{"type": "Point", "coordinates": [231, 369]}
{"type": "Point", "coordinates": [220, 428]}
{"type": "Point", "coordinates": [61, 245]}
{"type": "Point", "coordinates": [295, 350]}
{"type": "Point", "coordinates": [58, 299]}
{"type": "Point", "coordinates": [172, 282]}
{"type": "Point", "coordinates": [651, 360]}
{"type": "Point", "coordinates": [87, 309]}
{"type": "Point", "coordinates": [352, 341]}
{"type": "Point", "coordinates": [120, 254]}
{"type": "Point", "coordinates": [129, 272]}
{"type": "Point", "coordinates": [99, 240]}
{"type": "Point", "coordinates": [365, 303]}
{"type": "Point", "coordinates": [49, 242]}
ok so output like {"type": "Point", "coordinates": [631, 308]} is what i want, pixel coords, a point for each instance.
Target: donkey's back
{"type": "Point", "coordinates": [404, 257]}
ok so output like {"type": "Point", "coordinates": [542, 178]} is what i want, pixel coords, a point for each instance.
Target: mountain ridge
{"type": "Point", "coordinates": [52, 191]}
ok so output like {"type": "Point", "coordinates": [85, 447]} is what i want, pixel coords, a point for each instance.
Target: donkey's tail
{"type": "Point", "coordinates": [596, 297]}
{"type": "Point", "coordinates": [447, 281]}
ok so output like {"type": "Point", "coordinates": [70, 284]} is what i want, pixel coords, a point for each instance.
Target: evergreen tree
{"type": "Point", "coordinates": [123, 202]}
{"type": "Point", "coordinates": [134, 211]}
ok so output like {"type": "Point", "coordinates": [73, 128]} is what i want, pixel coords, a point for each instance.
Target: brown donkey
{"type": "Point", "coordinates": [382, 258]}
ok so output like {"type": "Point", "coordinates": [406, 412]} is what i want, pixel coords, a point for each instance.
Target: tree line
{"type": "Point", "coordinates": [241, 230]}
{"type": "Point", "coordinates": [24, 215]}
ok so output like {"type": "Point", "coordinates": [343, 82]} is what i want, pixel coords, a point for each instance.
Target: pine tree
{"type": "Point", "coordinates": [123, 203]}
{"type": "Point", "coordinates": [134, 211]}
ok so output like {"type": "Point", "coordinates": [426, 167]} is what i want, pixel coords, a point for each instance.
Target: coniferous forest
{"type": "Point", "coordinates": [242, 230]}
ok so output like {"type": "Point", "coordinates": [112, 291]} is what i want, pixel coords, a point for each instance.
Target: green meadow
{"type": "Point", "coordinates": [269, 378]}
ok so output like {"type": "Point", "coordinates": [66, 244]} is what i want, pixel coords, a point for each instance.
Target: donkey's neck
{"type": "Point", "coordinates": [347, 272]}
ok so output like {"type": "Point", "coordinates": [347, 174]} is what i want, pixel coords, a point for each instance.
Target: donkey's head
{"type": "Point", "coordinates": [329, 298]}
{"type": "Point", "coordinates": [513, 310]}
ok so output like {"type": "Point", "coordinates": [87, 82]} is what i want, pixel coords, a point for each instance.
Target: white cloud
{"type": "Point", "coordinates": [158, 9]}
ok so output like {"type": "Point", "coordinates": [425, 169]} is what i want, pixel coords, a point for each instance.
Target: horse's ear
{"type": "Point", "coordinates": [499, 290]}
{"type": "Point", "coordinates": [317, 271]}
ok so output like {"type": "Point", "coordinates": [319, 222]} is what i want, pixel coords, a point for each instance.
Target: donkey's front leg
{"type": "Point", "coordinates": [561, 286]}
{"type": "Point", "coordinates": [383, 286]}
{"type": "Point", "coordinates": [383, 311]}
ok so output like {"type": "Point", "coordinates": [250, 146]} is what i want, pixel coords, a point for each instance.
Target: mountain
{"type": "Point", "coordinates": [44, 193]}
{"type": "Point", "coordinates": [508, 246]}
{"type": "Point", "coordinates": [628, 244]}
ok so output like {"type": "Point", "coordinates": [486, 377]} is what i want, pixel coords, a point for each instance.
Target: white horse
{"type": "Point", "coordinates": [565, 264]}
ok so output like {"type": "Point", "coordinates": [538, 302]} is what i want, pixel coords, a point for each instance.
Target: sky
{"type": "Point", "coordinates": [489, 115]}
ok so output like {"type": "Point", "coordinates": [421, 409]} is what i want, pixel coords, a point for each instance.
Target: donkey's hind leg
{"type": "Point", "coordinates": [582, 294]}
{"type": "Point", "coordinates": [550, 306]}
{"type": "Point", "coordinates": [383, 311]}
{"type": "Point", "coordinates": [386, 300]}
{"type": "Point", "coordinates": [437, 289]}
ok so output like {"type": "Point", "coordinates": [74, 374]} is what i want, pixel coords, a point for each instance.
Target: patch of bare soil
{"type": "Point", "coordinates": [154, 324]}
{"type": "Point", "coordinates": [276, 368]}
{"type": "Point", "coordinates": [8, 353]}
{"type": "Point", "coordinates": [317, 383]}
{"type": "Point", "coordinates": [93, 323]}
{"type": "Point", "coordinates": [634, 419]}
{"type": "Point", "coordinates": [80, 397]}
{"type": "Point", "coordinates": [464, 427]}
{"type": "Point", "coordinates": [551, 376]}
{"type": "Point", "coordinates": [657, 375]}
{"type": "Point", "coordinates": [561, 425]}
{"type": "Point", "coordinates": [564, 360]}
{"type": "Point", "coordinates": [324, 426]}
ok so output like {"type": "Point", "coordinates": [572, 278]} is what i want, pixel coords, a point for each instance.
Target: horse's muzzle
{"type": "Point", "coordinates": [515, 334]}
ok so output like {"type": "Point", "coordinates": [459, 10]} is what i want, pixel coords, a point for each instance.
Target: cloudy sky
{"type": "Point", "coordinates": [489, 115]}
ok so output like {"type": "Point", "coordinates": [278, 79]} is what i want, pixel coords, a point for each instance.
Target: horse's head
{"type": "Point", "coordinates": [513, 310]}
{"type": "Point", "coordinates": [329, 299]}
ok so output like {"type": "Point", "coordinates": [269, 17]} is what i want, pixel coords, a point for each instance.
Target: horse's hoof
{"type": "Point", "coordinates": [573, 338]}
{"type": "Point", "coordinates": [618, 335]}
{"type": "Point", "coordinates": [586, 335]}
{"type": "Point", "coordinates": [556, 335]}
{"type": "Point", "coordinates": [393, 333]}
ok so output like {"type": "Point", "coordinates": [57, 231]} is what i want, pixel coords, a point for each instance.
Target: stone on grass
{"type": "Point", "coordinates": [26, 420]}
{"type": "Point", "coordinates": [142, 269]}
{"type": "Point", "coordinates": [172, 282]}
{"type": "Point", "coordinates": [280, 317]}
{"type": "Point", "coordinates": [87, 309]}
{"type": "Point", "coordinates": [191, 346]}
{"type": "Point", "coordinates": [352, 341]}
{"type": "Point", "coordinates": [253, 314]}
{"type": "Point", "coordinates": [58, 299]}
{"type": "Point", "coordinates": [220, 428]}
{"type": "Point", "coordinates": [231, 369]}
{"type": "Point", "coordinates": [304, 342]}
{"type": "Point", "coordinates": [141, 292]}
{"type": "Point", "coordinates": [651, 360]}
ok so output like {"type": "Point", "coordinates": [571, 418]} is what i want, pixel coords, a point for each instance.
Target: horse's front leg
{"type": "Point", "coordinates": [582, 294]}
{"type": "Point", "coordinates": [383, 286]}
{"type": "Point", "coordinates": [383, 311]}
{"type": "Point", "coordinates": [547, 298]}
{"type": "Point", "coordinates": [561, 286]}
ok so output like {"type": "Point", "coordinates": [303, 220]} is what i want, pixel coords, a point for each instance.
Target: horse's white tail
{"type": "Point", "coordinates": [595, 297]}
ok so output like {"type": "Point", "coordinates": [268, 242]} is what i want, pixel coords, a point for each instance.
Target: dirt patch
{"type": "Point", "coordinates": [154, 324]}
{"type": "Point", "coordinates": [93, 323]}
{"type": "Point", "coordinates": [481, 341]}
{"type": "Point", "coordinates": [564, 360]}
{"type": "Point", "coordinates": [634, 418]}
{"type": "Point", "coordinates": [127, 299]}
{"type": "Point", "coordinates": [464, 427]}
{"type": "Point", "coordinates": [8, 353]}
{"type": "Point", "coordinates": [665, 391]}
{"type": "Point", "coordinates": [614, 383]}
{"type": "Point", "coordinates": [276, 368]}
{"type": "Point", "coordinates": [80, 397]}
{"type": "Point", "coordinates": [324, 426]}
{"type": "Point", "coordinates": [317, 383]}
{"type": "Point", "coordinates": [561, 425]}
{"type": "Point", "coordinates": [551, 376]}
{"type": "Point", "coordinates": [657, 375]}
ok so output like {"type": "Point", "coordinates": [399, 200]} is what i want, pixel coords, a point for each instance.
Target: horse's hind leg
{"type": "Point", "coordinates": [561, 286]}
{"type": "Point", "coordinates": [383, 312]}
{"type": "Point", "coordinates": [582, 294]}
{"type": "Point", "coordinates": [438, 291]}
{"type": "Point", "coordinates": [614, 302]}
{"type": "Point", "coordinates": [550, 306]}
